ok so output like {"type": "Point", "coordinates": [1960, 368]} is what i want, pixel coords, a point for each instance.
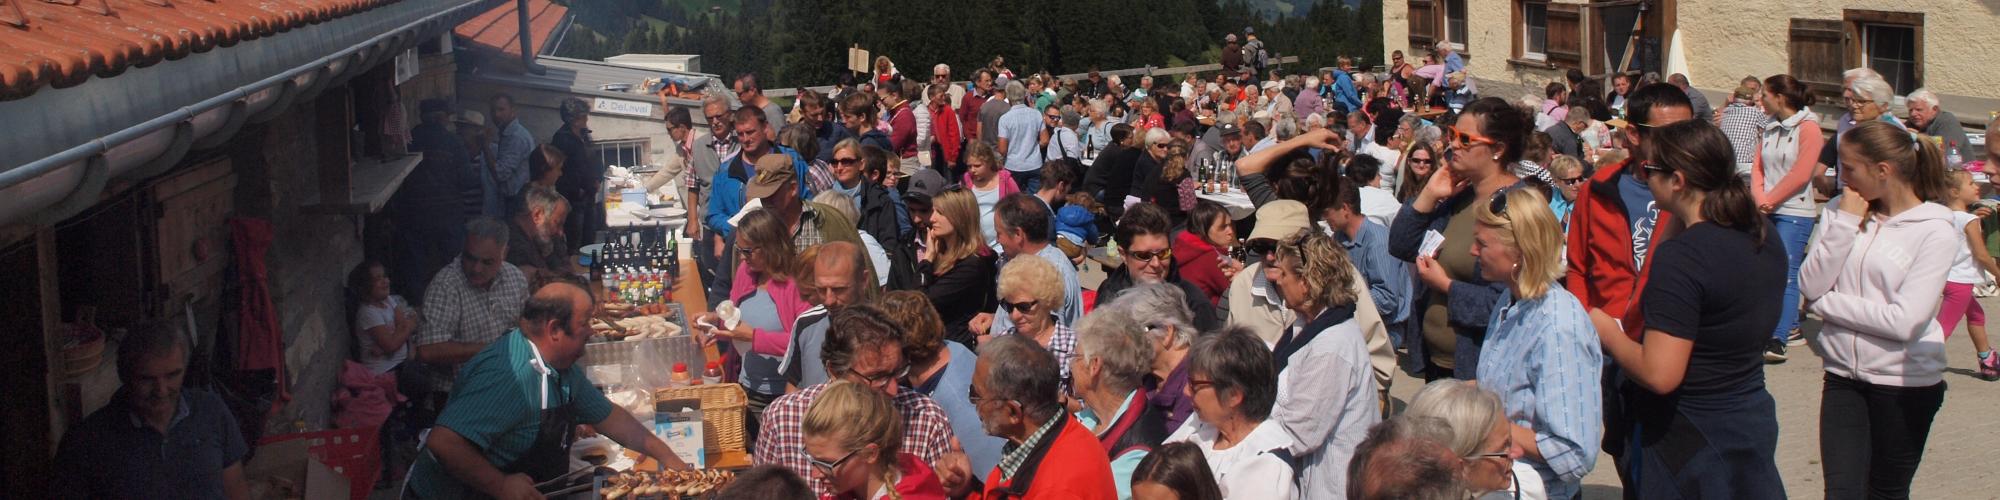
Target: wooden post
{"type": "Point", "coordinates": [46, 267]}
{"type": "Point", "coordinates": [331, 123]}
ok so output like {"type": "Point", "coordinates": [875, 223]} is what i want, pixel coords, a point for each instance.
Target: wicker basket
{"type": "Point", "coordinates": [723, 413]}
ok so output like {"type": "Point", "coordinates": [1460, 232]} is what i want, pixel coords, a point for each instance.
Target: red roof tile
{"type": "Point", "coordinates": [65, 43]}
{"type": "Point", "coordinates": [500, 30]}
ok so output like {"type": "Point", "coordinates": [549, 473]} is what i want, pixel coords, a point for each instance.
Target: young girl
{"type": "Point", "coordinates": [383, 323]}
{"type": "Point", "coordinates": [1968, 269]}
{"type": "Point", "coordinates": [1874, 275]}
{"type": "Point", "coordinates": [853, 435]}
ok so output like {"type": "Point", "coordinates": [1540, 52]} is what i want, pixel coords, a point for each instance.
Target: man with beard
{"type": "Point", "coordinates": [840, 278]}
{"type": "Point", "coordinates": [154, 440]}
{"type": "Point", "coordinates": [535, 240]}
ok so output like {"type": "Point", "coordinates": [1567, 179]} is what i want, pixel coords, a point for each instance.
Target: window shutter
{"type": "Point", "coordinates": [1565, 43]}
{"type": "Point", "coordinates": [1818, 54]}
{"type": "Point", "coordinates": [1423, 23]}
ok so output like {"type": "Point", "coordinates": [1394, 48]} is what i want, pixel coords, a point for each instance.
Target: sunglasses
{"type": "Point", "coordinates": [1572, 181]}
{"type": "Point", "coordinates": [842, 162]}
{"type": "Point", "coordinates": [1650, 167]}
{"type": "Point", "coordinates": [1460, 139]}
{"type": "Point", "coordinates": [1498, 205]}
{"type": "Point", "coordinates": [1425, 161]}
{"type": "Point", "coordinates": [1162, 254]}
{"type": "Point", "coordinates": [1006, 306]}
{"type": "Point", "coordinates": [828, 467]}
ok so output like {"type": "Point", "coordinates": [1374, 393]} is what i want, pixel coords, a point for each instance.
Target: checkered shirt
{"type": "Point", "coordinates": [808, 235]}
{"type": "Point", "coordinates": [1744, 126]}
{"type": "Point", "coordinates": [782, 442]}
{"type": "Point", "coordinates": [1017, 454]}
{"type": "Point", "coordinates": [1063, 345]}
{"type": "Point", "coordinates": [454, 311]}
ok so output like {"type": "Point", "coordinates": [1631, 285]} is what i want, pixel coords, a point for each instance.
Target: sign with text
{"type": "Point", "coordinates": [618, 107]}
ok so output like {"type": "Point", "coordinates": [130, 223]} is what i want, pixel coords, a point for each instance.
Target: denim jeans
{"type": "Point", "coordinates": [1029, 181]}
{"type": "Point", "coordinates": [1795, 233]}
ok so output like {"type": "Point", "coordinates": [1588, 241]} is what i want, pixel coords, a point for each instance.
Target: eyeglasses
{"type": "Point", "coordinates": [746, 252]}
{"type": "Point", "coordinates": [1006, 306]}
{"type": "Point", "coordinates": [880, 380]}
{"type": "Point", "coordinates": [1460, 139]}
{"type": "Point", "coordinates": [1650, 167]}
{"type": "Point", "coordinates": [716, 118]}
{"type": "Point", "coordinates": [1195, 386]}
{"type": "Point", "coordinates": [842, 162]}
{"type": "Point", "coordinates": [1572, 181]}
{"type": "Point", "coordinates": [828, 467]}
{"type": "Point", "coordinates": [1162, 254]}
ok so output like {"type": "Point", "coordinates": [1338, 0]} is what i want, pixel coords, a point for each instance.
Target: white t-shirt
{"type": "Point", "coordinates": [987, 200]}
{"type": "Point", "coordinates": [373, 315]}
{"type": "Point", "coordinates": [1525, 479]}
{"type": "Point", "coordinates": [1379, 205]}
{"type": "Point", "coordinates": [1963, 269]}
{"type": "Point", "coordinates": [1248, 469]}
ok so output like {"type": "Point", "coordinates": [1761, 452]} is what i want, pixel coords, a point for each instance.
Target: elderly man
{"type": "Point", "coordinates": [776, 188]}
{"type": "Point", "coordinates": [153, 440]}
{"type": "Point", "coordinates": [1019, 138]}
{"type": "Point", "coordinates": [535, 239]}
{"type": "Point", "coordinates": [719, 144]}
{"type": "Point", "coordinates": [1048, 453]}
{"type": "Point", "coordinates": [996, 105]}
{"type": "Point", "coordinates": [941, 75]}
{"type": "Point", "coordinates": [471, 302]}
{"type": "Point", "coordinates": [862, 346]}
{"type": "Point", "coordinates": [1145, 239]}
{"type": "Point", "coordinates": [509, 425]}
{"type": "Point", "coordinates": [840, 278]}
{"type": "Point", "coordinates": [1113, 357]}
{"type": "Point", "coordinates": [1702, 110]}
{"type": "Point", "coordinates": [1022, 223]}
{"type": "Point", "coordinates": [1565, 136]}
{"type": "Point", "coordinates": [1925, 115]}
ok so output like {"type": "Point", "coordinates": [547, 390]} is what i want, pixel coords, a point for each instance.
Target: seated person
{"type": "Point", "coordinates": [153, 440]}
{"type": "Point", "coordinates": [508, 423]}
{"type": "Point", "coordinates": [535, 241]}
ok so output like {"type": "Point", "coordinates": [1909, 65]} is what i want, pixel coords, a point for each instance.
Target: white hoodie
{"type": "Point", "coordinates": [1878, 290]}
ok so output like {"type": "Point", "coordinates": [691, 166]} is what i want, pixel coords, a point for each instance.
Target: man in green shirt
{"type": "Point", "coordinates": [507, 425]}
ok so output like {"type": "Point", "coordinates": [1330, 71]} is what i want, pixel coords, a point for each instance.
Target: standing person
{"type": "Point", "coordinates": [1018, 136]}
{"type": "Point", "coordinates": [1367, 244]}
{"type": "Point", "coordinates": [855, 440]}
{"type": "Point", "coordinates": [992, 108]}
{"type": "Point", "coordinates": [510, 162]}
{"type": "Point", "coordinates": [984, 178]}
{"type": "Point", "coordinates": [1234, 387]}
{"type": "Point", "coordinates": [1326, 392]}
{"type": "Point", "coordinates": [839, 279]}
{"type": "Point", "coordinates": [582, 176]}
{"type": "Point", "coordinates": [766, 291]}
{"type": "Point", "coordinates": [1967, 271]}
{"type": "Point", "coordinates": [153, 439]}
{"type": "Point", "coordinates": [1698, 379]}
{"type": "Point", "coordinates": [904, 129]}
{"type": "Point", "coordinates": [1457, 301]}
{"type": "Point", "coordinates": [1345, 97]}
{"type": "Point", "coordinates": [946, 134]}
{"type": "Point", "coordinates": [1540, 352]}
{"type": "Point", "coordinates": [1874, 274]}
{"type": "Point", "coordinates": [1418, 164]}
{"type": "Point", "coordinates": [1779, 176]}
{"type": "Point", "coordinates": [752, 96]}
{"type": "Point", "coordinates": [679, 152]}
{"type": "Point", "coordinates": [1112, 360]}
{"type": "Point", "coordinates": [1049, 455]}
{"type": "Point", "coordinates": [1743, 120]}
{"type": "Point", "coordinates": [958, 268]}
{"type": "Point", "coordinates": [859, 113]}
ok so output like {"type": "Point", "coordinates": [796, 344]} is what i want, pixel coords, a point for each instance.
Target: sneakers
{"type": "Point", "coordinates": [1774, 352]}
{"type": "Point", "coordinates": [1795, 338]}
{"type": "Point", "coordinates": [1989, 366]}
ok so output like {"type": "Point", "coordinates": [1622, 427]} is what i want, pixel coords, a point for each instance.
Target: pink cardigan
{"type": "Point", "coordinates": [1006, 185]}
{"type": "Point", "coordinates": [785, 293]}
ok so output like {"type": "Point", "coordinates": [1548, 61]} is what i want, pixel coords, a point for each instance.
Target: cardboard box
{"type": "Point", "coordinates": [287, 469]}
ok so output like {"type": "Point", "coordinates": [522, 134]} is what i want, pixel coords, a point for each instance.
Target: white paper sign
{"type": "Point", "coordinates": [618, 107]}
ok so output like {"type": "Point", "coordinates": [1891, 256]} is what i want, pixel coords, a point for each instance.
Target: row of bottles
{"type": "Point", "coordinates": [1215, 175]}
{"type": "Point", "coordinates": [637, 265]}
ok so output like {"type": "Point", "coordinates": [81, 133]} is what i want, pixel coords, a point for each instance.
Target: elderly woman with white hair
{"type": "Point", "coordinates": [1867, 97]}
{"type": "Point", "coordinates": [1113, 357]}
{"type": "Point", "coordinates": [1479, 436]}
{"type": "Point", "coordinates": [1162, 309]}
{"type": "Point", "coordinates": [1096, 128]}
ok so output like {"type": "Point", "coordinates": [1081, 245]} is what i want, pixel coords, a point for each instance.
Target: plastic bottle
{"type": "Point", "coordinates": [712, 374]}
{"type": "Point", "coordinates": [680, 376]}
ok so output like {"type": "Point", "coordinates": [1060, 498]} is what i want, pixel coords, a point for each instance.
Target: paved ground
{"type": "Point", "coordinates": [1957, 464]}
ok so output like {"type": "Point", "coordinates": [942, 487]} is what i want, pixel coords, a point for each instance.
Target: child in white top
{"type": "Point", "coordinates": [383, 323]}
{"type": "Point", "coordinates": [1968, 269]}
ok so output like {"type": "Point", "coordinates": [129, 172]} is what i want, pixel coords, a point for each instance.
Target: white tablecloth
{"type": "Point", "coordinates": [1236, 202]}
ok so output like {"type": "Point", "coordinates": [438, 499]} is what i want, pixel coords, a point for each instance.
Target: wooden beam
{"type": "Point", "coordinates": [332, 121]}
{"type": "Point", "coordinates": [46, 267]}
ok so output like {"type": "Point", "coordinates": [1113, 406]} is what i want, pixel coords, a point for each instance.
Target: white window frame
{"type": "Point", "coordinates": [635, 148]}
{"type": "Point", "coordinates": [1465, 23]}
{"type": "Point", "coordinates": [1528, 28]}
{"type": "Point", "coordinates": [1867, 32]}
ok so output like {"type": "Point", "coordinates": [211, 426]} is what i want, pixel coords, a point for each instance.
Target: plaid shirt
{"type": "Point", "coordinates": [808, 234]}
{"type": "Point", "coordinates": [1063, 345]}
{"type": "Point", "coordinates": [1744, 126]}
{"type": "Point", "coordinates": [782, 442]}
{"type": "Point", "coordinates": [1017, 454]}
{"type": "Point", "coordinates": [454, 311]}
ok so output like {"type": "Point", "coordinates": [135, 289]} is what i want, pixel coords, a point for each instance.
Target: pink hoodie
{"type": "Point", "coordinates": [1878, 290]}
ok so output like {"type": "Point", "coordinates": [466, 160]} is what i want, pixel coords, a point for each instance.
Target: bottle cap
{"type": "Point", "coordinates": [680, 367]}
{"type": "Point", "coordinates": [714, 364]}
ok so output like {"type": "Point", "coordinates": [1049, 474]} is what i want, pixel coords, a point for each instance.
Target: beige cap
{"type": "Point", "coordinates": [1280, 220]}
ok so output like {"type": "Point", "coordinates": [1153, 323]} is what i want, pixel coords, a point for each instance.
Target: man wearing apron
{"type": "Point", "coordinates": [510, 418]}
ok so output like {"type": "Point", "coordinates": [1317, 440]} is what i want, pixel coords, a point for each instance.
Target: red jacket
{"type": "Point", "coordinates": [917, 481]}
{"type": "Point", "coordinates": [945, 133]}
{"type": "Point", "coordinates": [968, 112]}
{"type": "Point", "coordinates": [1069, 464]}
{"type": "Point", "coordinates": [1601, 272]}
{"type": "Point", "coordinates": [1199, 264]}
{"type": "Point", "coordinates": [903, 131]}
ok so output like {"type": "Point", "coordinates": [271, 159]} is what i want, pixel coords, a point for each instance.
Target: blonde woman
{"type": "Point", "coordinates": [1541, 352]}
{"type": "Point", "coordinates": [957, 267]}
{"type": "Point", "coordinates": [1326, 385]}
{"type": "Point", "coordinates": [1031, 293]}
{"type": "Point", "coordinates": [852, 437]}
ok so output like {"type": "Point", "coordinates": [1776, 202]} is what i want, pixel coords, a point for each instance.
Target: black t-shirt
{"type": "Point", "coordinates": [1718, 288]}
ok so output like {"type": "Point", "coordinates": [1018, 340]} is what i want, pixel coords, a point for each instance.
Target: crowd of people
{"type": "Point", "coordinates": [1572, 271]}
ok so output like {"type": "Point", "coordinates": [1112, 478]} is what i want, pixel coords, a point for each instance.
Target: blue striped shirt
{"type": "Point", "coordinates": [1541, 356]}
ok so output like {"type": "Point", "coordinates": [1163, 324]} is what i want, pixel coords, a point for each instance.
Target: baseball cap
{"type": "Point", "coordinates": [1273, 84]}
{"type": "Point", "coordinates": [472, 117]}
{"type": "Point", "coordinates": [773, 171]}
{"type": "Point", "coordinates": [1230, 129]}
{"type": "Point", "coordinates": [1279, 220]}
{"type": "Point", "coordinates": [925, 184]}
{"type": "Point", "coordinates": [1230, 38]}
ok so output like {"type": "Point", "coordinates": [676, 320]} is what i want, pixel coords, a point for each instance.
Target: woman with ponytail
{"type": "Point", "coordinates": [1875, 275]}
{"type": "Point", "coordinates": [1703, 425]}
{"type": "Point", "coordinates": [853, 437]}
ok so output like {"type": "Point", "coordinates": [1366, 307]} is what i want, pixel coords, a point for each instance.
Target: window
{"type": "Point", "coordinates": [623, 153]}
{"type": "Point", "coordinates": [1892, 51]}
{"type": "Point", "coordinates": [1815, 49]}
{"type": "Point", "coordinates": [1423, 25]}
{"type": "Point", "coordinates": [1454, 23]}
{"type": "Point", "coordinates": [1534, 31]}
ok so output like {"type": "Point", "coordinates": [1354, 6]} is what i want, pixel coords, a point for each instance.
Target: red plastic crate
{"type": "Point", "coordinates": [353, 453]}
